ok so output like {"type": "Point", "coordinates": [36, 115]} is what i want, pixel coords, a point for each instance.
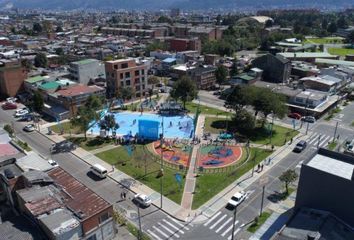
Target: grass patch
{"type": "Point", "coordinates": [332, 112]}
{"type": "Point", "coordinates": [340, 51]}
{"type": "Point", "coordinates": [332, 145]}
{"type": "Point", "coordinates": [192, 108]}
{"type": "Point", "coordinates": [279, 135]}
{"type": "Point", "coordinates": [325, 40]}
{"type": "Point", "coordinates": [352, 124]}
{"type": "Point", "coordinates": [215, 125]}
{"type": "Point", "coordinates": [258, 222]}
{"type": "Point", "coordinates": [91, 143]}
{"type": "Point", "coordinates": [135, 231]}
{"type": "Point", "coordinates": [135, 166]}
{"type": "Point", "coordinates": [23, 145]}
{"type": "Point", "coordinates": [67, 127]}
{"type": "Point", "coordinates": [208, 185]}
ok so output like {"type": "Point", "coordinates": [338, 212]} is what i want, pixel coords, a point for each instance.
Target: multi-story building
{"type": "Point", "coordinates": [131, 73]}
{"type": "Point", "coordinates": [184, 44]}
{"type": "Point", "coordinates": [87, 70]}
{"type": "Point", "coordinates": [12, 76]}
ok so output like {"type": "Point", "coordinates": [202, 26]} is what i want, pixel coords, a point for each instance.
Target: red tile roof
{"type": "Point", "coordinates": [76, 196]}
{"type": "Point", "coordinates": [7, 149]}
{"type": "Point", "coordinates": [78, 90]}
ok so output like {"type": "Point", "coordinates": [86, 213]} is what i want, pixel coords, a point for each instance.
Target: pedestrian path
{"type": "Point", "coordinates": [222, 224]}
{"type": "Point", "coordinates": [319, 140]}
{"type": "Point", "coordinates": [169, 228]}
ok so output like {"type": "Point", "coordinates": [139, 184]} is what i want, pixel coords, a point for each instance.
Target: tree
{"type": "Point", "coordinates": [109, 123]}
{"type": "Point", "coordinates": [185, 90]}
{"type": "Point", "coordinates": [37, 27]}
{"type": "Point", "coordinates": [164, 19]}
{"type": "Point", "coordinates": [243, 121]}
{"type": "Point", "coordinates": [37, 102]}
{"type": "Point", "coordinates": [26, 64]}
{"type": "Point", "coordinates": [40, 60]}
{"type": "Point", "coordinates": [59, 51]}
{"type": "Point", "coordinates": [9, 129]}
{"type": "Point", "coordinates": [342, 22]}
{"type": "Point", "coordinates": [153, 80]}
{"type": "Point", "coordinates": [239, 97]}
{"type": "Point", "coordinates": [221, 74]}
{"type": "Point", "coordinates": [59, 29]}
{"type": "Point", "coordinates": [350, 37]}
{"type": "Point", "coordinates": [125, 93]}
{"type": "Point", "coordinates": [268, 23]}
{"type": "Point", "coordinates": [234, 69]}
{"type": "Point", "coordinates": [332, 27]}
{"type": "Point", "coordinates": [87, 114]}
{"type": "Point", "coordinates": [288, 177]}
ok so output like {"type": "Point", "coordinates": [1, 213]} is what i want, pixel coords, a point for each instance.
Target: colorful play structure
{"type": "Point", "coordinates": [218, 156]}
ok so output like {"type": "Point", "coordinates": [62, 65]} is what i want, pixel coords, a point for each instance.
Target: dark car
{"type": "Point", "coordinates": [295, 115]}
{"type": "Point", "coordinates": [308, 119]}
{"type": "Point", "coordinates": [63, 146]}
{"type": "Point", "coordinates": [9, 174]}
{"type": "Point", "coordinates": [300, 146]}
{"type": "Point", "coordinates": [9, 105]}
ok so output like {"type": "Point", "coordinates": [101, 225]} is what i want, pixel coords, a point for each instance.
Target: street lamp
{"type": "Point", "coordinates": [233, 224]}
{"type": "Point", "coordinates": [161, 163]}
{"type": "Point", "coordinates": [271, 129]}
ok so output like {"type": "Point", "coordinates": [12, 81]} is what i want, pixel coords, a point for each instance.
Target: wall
{"type": "Point", "coordinates": [11, 80]}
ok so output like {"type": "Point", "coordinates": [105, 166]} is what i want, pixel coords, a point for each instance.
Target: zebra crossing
{"type": "Point", "coordinates": [222, 224]}
{"type": "Point", "coordinates": [318, 139]}
{"type": "Point", "coordinates": [168, 228]}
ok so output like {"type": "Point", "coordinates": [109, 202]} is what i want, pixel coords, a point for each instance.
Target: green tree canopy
{"type": "Point", "coordinates": [221, 74]}
{"type": "Point", "coordinates": [243, 121]}
{"type": "Point", "coordinates": [37, 102]}
{"type": "Point", "coordinates": [37, 27]}
{"type": "Point", "coordinates": [40, 60]}
{"type": "Point", "coordinates": [288, 177]}
{"type": "Point", "coordinates": [184, 89]}
{"type": "Point", "coordinates": [125, 93]}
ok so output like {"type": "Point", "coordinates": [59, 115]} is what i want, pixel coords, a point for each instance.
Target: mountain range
{"type": "Point", "coordinates": [166, 4]}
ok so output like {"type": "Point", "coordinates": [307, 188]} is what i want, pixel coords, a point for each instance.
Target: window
{"type": "Point", "coordinates": [93, 237]}
{"type": "Point", "coordinates": [137, 80]}
{"type": "Point", "coordinates": [115, 66]}
{"type": "Point", "coordinates": [127, 83]}
{"type": "Point", "coordinates": [136, 72]}
{"type": "Point", "coordinates": [112, 74]}
{"type": "Point", "coordinates": [142, 72]}
{"type": "Point", "coordinates": [143, 86]}
{"type": "Point", "coordinates": [127, 75]}
{"type": "Point", "coordinates": [103, 217]}
{"type": "Point", "coordinates": [121, 76]}
{"type": "Point", "coordinates": [124, 65]}
{"type": "Point", "coordinates": [137, 88]}
{"type": "Point", "coordinates": [143, 79]}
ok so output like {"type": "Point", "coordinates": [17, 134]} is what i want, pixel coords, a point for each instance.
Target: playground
{"type": "Point", "coordinates": [172, 126]}
{"type": "Point", "coordinates": [173, 151]}
{"type": "Point", "coordinates": [215, 156]}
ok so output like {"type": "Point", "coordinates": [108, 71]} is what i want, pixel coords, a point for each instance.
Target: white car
{"type": "Point", "coordinates": [21, 113]}
{"type": "Point", "coordinates": [11, 99]}
{"type": "Point", "coordinates": [29, 128]}
{"type": "Point", "coordinates": [236, 199]}
{"type": "Point", "coordinates": [53, 163]}
{"type": "Point", "coordinates": [142, 200]}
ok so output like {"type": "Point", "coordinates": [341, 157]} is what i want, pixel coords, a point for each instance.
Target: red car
{"type": "Point", "coordinates": [295, 115]}
{"type": "Point", "coordinates": [9, 105]}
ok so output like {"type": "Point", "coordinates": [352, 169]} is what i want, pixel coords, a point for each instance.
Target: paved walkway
{"type": "Point", "coordinates": [103, 149]}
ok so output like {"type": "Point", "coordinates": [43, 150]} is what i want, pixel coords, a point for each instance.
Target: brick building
{"type": "Point", "coordinates": [126, 73]}
{"type": "Point", "coordinates": [184, 44]}
{"type": "Point", "coordinates": [12, 76]}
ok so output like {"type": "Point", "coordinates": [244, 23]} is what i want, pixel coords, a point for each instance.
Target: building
{"type": "Point", "coordinates": [63, 207]}
{"type": "Point", "coordinates": [131, 73]}
{"type": "Point", "coordinates": [207, 33]}
{"type": "Point", "coordinates": [276, 69]}
{"type": "Point", "coordinates": [323, 83]}
{"type": "Point", "coordinates": [247, 78]}
{"type": "Point", "coordinates": [307, 56]}
{"type": "Point", "coordinates": [184, 44]}
{"type": "Point", "coordinates": [203, 76]}
{"type": "Point", "coordinates": [12, 76]}
{"type": "Point", "coordinates": [87, 70]}
{"type": "Point", "coordinates": [327, 183]}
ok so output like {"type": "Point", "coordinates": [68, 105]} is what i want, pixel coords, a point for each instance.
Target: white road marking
{"type": "Point", "coordinates": [181, 231]}
{"type": "Point", "coordinates": [222, 226]}
{"type": "Point", "coordinates": [236, 231]}
{"type": "Point", "coordinates": [324, 142]}
{"type": "Point", "coordinates": [314, 139]}
{"type": "Point", "coordinates": [169, 230]}
{"type": "Point", "coordinates": [180, 224]}
{"type": "Point", "coordinates": [211, 219]}
{"type": "Point", "coordinates": [227, 230]}
{"type": "Point", "coordinates": [217, 222]}
{"type": "Point", "coordinates": [161, 232]}
{"type": "Point", "coordinates": [154, 235]}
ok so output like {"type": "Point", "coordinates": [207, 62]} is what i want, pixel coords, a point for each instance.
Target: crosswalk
{"type": "Point", "coordinates": [318, 139]}
{"type": "Point", "coordinates": [168, 228]}
{"type": "Point", "coordinates": [222, 224]}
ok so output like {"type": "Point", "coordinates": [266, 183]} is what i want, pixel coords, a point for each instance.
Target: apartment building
{"type": "Point", "coordinates": [130, 73]}
{"type": "Point", "coordinates": [12, 76]}
{"type": "Point", "coordinates": [86, 70]}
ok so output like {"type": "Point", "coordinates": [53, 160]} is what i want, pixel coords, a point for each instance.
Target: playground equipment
{"type": "Point", "coordinates": [213, 162]}
{"type": "Point", "coordinates": [225, 136]}
{"type": "Point", "coordinates": [220, 152]}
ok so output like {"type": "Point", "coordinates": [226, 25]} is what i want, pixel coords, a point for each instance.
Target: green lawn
{"type": "Point", "coordinates": [261, 219]}
{"type": "Point", "coordinates": [67, 126]}
{"type": "Point", "coordinates": [332, 145]}
{"type": "Point", "coordinates": [23, 145]}
{"type": "Point", "coordinates": [192, 108]}
{"type": "Point", "coordinates": [91, 143]}
{"type": "Point", "coordinates": [135, 165]}
{"type": "Point", "coordinates": [215, 125]}
{"type": "Point", "coordinates": [324, 40]}
{"type": "Point", "coordinates": [208, 185]}
{"type": "Point", "coordinates": [340, 51]}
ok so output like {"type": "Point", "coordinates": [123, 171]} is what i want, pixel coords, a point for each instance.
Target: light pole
{"type": "Point", "coordinates": [161, 164]}
{"type": "Point", "coordinates": [139, 219]}
{"type": "Point", "coordinates": [263, 181]}
{"type": "Point", "coordinates": [335, 132]}
{"type": "Point", "coordinates": [271, 129]}
{"type": "Point", "coordinates": [254, 161]}
{"type": "Point", "coordinates": [233, 224]}
{"type": "Point", "coordinates": [318, 143]}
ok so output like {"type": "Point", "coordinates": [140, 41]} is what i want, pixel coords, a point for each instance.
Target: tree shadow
{"type": "Point", "coordinates": [220, 124]}
{"type": "Point", "coordinates": [277, 196]}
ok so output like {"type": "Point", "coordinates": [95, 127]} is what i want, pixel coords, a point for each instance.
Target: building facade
{"type": "Point", "coordinates": [12, 76]}
{"type": "Point", "coordinates": [126, 73]}
{"type": "Point", "coordinates": [87, 70]}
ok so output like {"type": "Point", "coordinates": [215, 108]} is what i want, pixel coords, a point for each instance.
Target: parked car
{"type": "Point", "coordinates": [142, 200]}
{"type": "Point", "coordinates": [300, 146]}
{"type": "Point", "coordinates": [11, 99]}
{"type": "Point", "coordinates": [295, 115]}
{"type": "Point", "coordinates": [21, 113]}
{"type": "Point", "coordinates": [9, 105]}
{"type": "Point", "coordinates": [308, 119]}
{"type": "Point", "coordinates": [29, 128]}
{"type": "Point", "coordinates": [63, 146]}
{"type": "Point", "coordinates": [8, 173]}
{"type": "Point", "coordinates": [236, 199]}
{"type": "Point", "coordinates": [53, 163]}
{"type": "Point", "coordinates": [28, 117]}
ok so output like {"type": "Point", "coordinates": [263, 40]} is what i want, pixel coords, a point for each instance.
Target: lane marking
{"type": "Point", "coordinates": [217, 222]}
{"type": "Point", "coordinates": [222, 226]}
{"type": "Point", "coordinates": [211, 219]}
{"type": "Point", "coordinates": [180, 224]}
{"type": "Point", "coordinates": [179, 230]}
{"type": "Point", "coordinates": [169, 230]}
{"type": "Point", "coordinates": [236, 231]}
{"type": "Point", "coordinates": [153, 234]}
{"type": "Point", "coordinates": [227, 230]}
{"type": "Point", "coordinates": [161, 232]}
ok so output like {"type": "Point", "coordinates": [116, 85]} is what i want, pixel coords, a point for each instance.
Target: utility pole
{"type": "Point", "coordinates": [139, 219]}
{"type": "Point", "coordinates": [233, 224]}
{"type": "Point", "coordinates": [335, 132]}
{"type": "Point", "coordinates": [263, 188]}
{"type": "Point", "coordinates": [318, 143]}
{"type": "Point", "coordinates": [271, 129]}
{"type": "Point", "coordinates": [307, 127]}
{"type": "Point", "coordinates": [254, 161]}
{"type": "Point", "coordinates": [263, 181]}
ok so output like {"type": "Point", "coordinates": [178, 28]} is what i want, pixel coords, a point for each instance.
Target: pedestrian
{"type": "Point", "coordinates": [272, 147]}
{"type": "Point", "coordinates": [338, 137]}
{"type": "Point", "coordinates": [261, 167]}
{"type": "Point", "coordinates": [124, 195]}
{"type": "Point", "coordinates": [121, 195]}
{"type": "Point", "coordinates": [258, 167]}
{"type": "Point", "coordinates": [291, 140]}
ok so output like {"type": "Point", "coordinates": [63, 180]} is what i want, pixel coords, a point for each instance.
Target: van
{"type": "Point", "coordinates": [99, 170]}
